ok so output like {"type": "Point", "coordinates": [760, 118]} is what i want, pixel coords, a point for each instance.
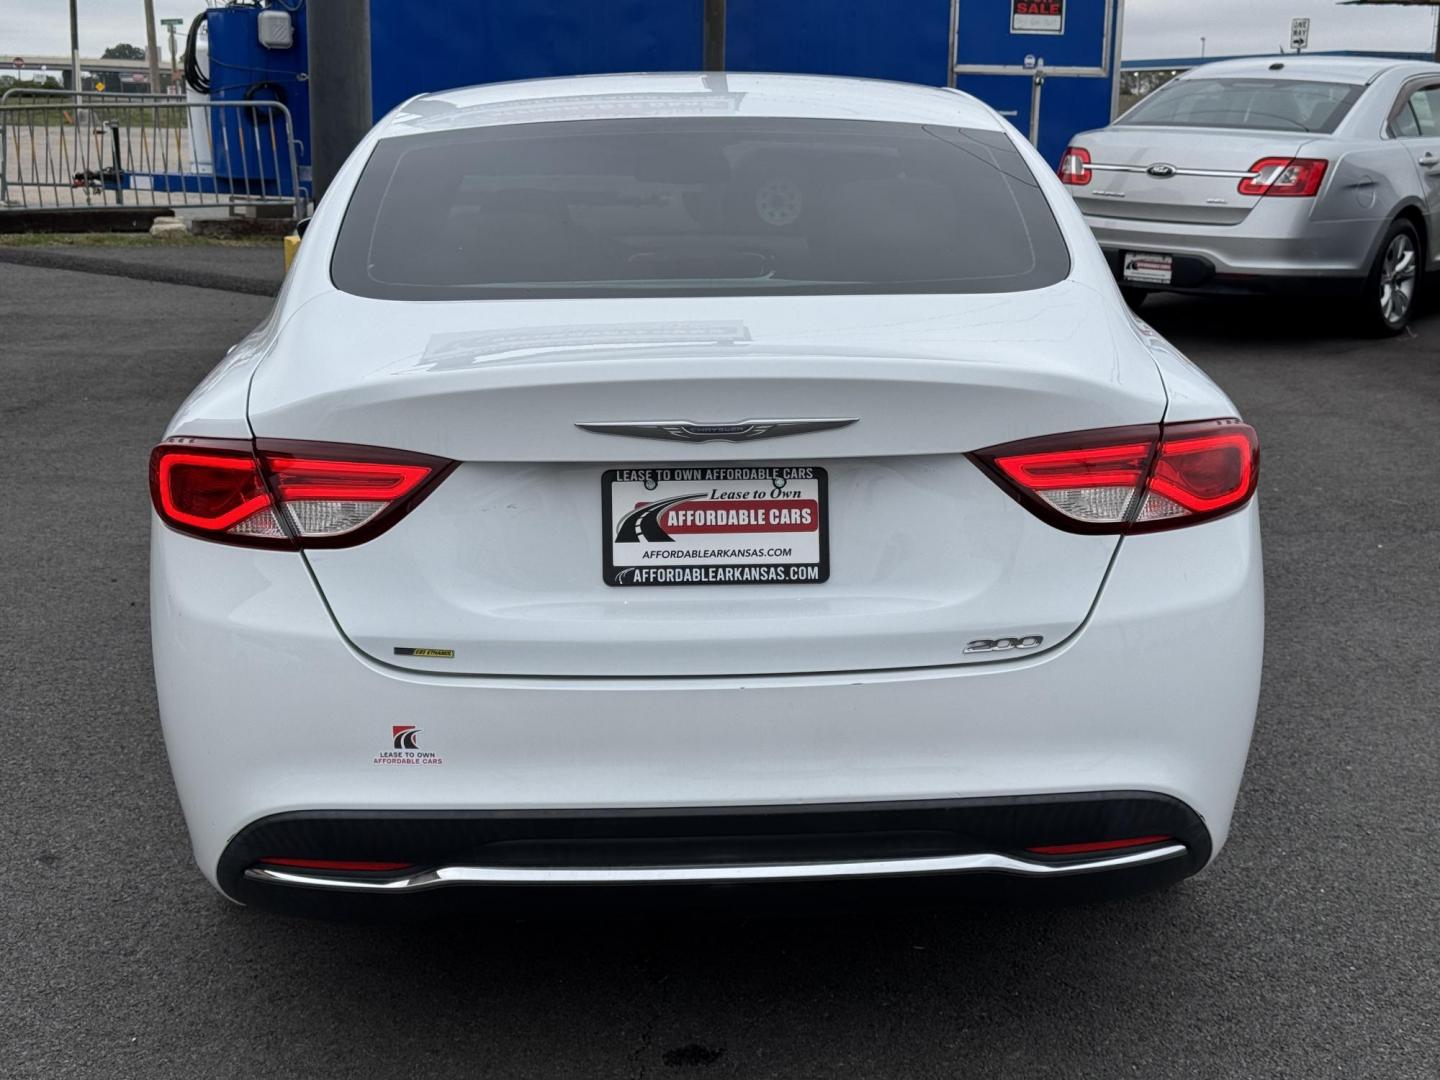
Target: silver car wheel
{"type": "Point", "coordinates": [1397, 279]}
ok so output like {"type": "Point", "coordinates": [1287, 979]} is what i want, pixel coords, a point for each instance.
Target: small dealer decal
{"type": "Point", "coordinates": [1037, 16]}
{"type": "Point", "coordinates": [428, 653]}
{"type": "Point", "coordinates": [405, 748]}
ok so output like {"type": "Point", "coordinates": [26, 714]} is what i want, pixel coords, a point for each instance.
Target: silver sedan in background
{"type": "Point", "coordinates": [1286, 175]}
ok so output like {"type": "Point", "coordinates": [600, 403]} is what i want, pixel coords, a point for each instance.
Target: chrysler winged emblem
{"type": "Point", "coordinates": [706, 431]}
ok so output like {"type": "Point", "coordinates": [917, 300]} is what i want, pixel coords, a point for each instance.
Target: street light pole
{"type": "Point", "coordinates": [1202, 46]}
{"type": "Point", "coordinates": [340, 95]}
{"type": "Point", "coordinates": [713, 36]}
{"type": "Point", "coordinates": [75, 53]}
{"type": "Point", "coordinates": [152, 51]}
{"type": "Point", "coordinates": [174, 63]}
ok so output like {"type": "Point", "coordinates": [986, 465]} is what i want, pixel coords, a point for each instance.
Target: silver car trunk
{"type": "Point", "coordinates": [1186, 175]}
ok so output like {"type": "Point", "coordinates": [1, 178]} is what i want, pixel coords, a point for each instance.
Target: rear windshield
{"type": "Point", "coordinates": [1260, 104]}
{"type": "Point", "coordinates": [677, 207]}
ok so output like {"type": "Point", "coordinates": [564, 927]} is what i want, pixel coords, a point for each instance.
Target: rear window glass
{"type": "Point", "coordinates": [676, 207]}
{"type": "Point", "coordinates": [1261, 104]}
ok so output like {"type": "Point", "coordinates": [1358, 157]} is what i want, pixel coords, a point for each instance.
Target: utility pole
{"type": "Point", "coordinates": [339, 82]}
{"type": "Point", "coordinates": [1202, 46]}
{"type": "Point", "coordinates": [173, 26]}
{"type": "Point", "coordinates": [713, 41]}
{"type": "Point", "coordinates": [75, 53]}
{"type": "Point", "coordinates": [152, 51]}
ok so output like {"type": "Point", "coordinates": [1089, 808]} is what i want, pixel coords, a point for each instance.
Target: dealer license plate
{"type": "Point", "coordinates": [715, 525]}
{"type": "Point", "coordinates": [1148, 268]}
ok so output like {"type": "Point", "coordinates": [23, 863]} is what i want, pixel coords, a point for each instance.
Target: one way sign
{"type": "Point", "coordinates": [1299, 34]}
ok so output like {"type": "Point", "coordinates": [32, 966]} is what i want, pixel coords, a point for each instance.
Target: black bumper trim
{"type": "Point", "coordinates": [704, 835]}
{"type": "Point", "coordinates": [1196, 275]}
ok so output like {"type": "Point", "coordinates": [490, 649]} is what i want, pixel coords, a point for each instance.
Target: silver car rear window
{"type": "Point", "coordinates": [686, 206]}
{"type": "Point", "coordinates": [1258, 104]}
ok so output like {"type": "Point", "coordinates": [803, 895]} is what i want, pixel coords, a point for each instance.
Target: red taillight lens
{"type": "Point", "coordinates": [1127, 480]}
{"type": "Point", "coordinates": [1075, 166]}
{"type": "Point", "coordinates": [1200, 473]}
{"type": "Point", "coordinates": [287, 494]}
{"type": "Point", "coordinates": [327, 500]}
{"type": "Point", "coordinates": [1294, 177]}
{"type": "Point", "coordinates": [1097, 845]}
{"type": "Point", "coordinates": [209, 488]}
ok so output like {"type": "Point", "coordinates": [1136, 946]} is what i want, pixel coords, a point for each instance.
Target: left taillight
{"type": "Point", "coordinates": [1133, 479]}
{"type": "Point", "coordinates": [1075, 166]}
{"type": "Point", "coordinates": [290, 495]}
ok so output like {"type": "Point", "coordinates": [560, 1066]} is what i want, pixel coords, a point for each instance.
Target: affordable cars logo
{"type": "Point", "coordinates": [700, 513]}
{"type": "Point", "coordinates": [405, 748]}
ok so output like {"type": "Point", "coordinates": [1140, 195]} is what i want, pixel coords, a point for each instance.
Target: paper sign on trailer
{"type": "Point", "coordinates": [717, 525]}
{"type": "Point", "coordinates": [1037, 16]}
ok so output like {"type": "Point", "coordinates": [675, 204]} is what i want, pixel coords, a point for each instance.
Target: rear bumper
{"type": "Point", "coordinates": [1198, 274]}
{"type": "Point", "coordinates": [1272, 251]}
{"type": "Point", "coordinates": [690, 850]}
{"type": "Point", "coordinates": [268, 711]}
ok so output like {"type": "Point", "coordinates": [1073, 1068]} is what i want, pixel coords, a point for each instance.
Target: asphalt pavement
{"type": "Point", "coordinates": [257, 269]}
{"type": "Point", "coordinates": [1311, 949]}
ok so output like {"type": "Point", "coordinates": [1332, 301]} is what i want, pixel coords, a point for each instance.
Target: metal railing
{"type": "Point", "coordinates": [60, 149]}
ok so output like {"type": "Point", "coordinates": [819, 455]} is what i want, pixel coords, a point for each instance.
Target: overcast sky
{"type": "Point", "coordinates": [1153, 28]}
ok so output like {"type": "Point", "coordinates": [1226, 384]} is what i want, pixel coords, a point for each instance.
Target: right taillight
{"type": "Point", "coordinates": [1075, 166]}
{"type": "Point", "coordinates": [1129, 480]}
{"type": "Point", "coordinates": [287, 494]}
{"type": "Point", "coordinates": [1284, 176]}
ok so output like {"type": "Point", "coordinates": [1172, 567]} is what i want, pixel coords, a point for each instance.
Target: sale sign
{"type": "Point", "coordinates": [1037, 16]}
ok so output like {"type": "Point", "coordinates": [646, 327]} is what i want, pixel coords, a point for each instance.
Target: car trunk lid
{"type": "Point", "coordinates": [1184, 175]}
{"type": "Point", "coordinates": [501, 570]}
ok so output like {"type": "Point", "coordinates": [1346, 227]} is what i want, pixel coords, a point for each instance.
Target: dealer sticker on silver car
{"type": "Point", "coordinates": [719, 525]}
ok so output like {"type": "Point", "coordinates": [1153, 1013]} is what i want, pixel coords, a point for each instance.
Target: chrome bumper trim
{"type": "Point", "coordinates": [1223, 174]}
{"type": "Point", "coordinates": [978, 863]}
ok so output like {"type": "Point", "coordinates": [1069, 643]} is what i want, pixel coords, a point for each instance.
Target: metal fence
{"type": "Point", "coordinates": [60, 149]}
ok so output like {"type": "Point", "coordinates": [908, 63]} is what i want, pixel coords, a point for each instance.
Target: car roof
{"type": "Point", "coordinates": [1344, 69]}
{"type": "Point", "coordinates": [640, 96]}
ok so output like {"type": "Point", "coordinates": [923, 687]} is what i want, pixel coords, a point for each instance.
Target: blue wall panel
{"type": "Point", "coordinates": [878, 39]}
{"type": "Point", "coordinates": [420, 45]}
{"type": "Point", "coordinates": [1067, 103]}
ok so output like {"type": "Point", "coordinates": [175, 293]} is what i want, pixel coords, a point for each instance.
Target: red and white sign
{"type": "Point", "coordinates": [1037, 16]}
{"type": "Point", "coordinates": [724, 525]}
{"type": "Point", "coordinates": [1148, 267]}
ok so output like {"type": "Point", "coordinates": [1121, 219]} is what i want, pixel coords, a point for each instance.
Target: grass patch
{"type": "Point", "coordinates": [132, 240]}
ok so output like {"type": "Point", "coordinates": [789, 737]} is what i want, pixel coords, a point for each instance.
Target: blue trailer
{"type": "Point", "coordinates": [243, 68]}
{"type": "Point", "coordinates": [1051, 66]}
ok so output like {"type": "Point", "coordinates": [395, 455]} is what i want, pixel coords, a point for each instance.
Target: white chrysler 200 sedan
{"type": "Point", "coordinates": [695, 480]}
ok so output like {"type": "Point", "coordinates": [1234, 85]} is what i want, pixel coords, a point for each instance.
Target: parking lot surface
{"type": "Point", "coordinates": [1309, 950]}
